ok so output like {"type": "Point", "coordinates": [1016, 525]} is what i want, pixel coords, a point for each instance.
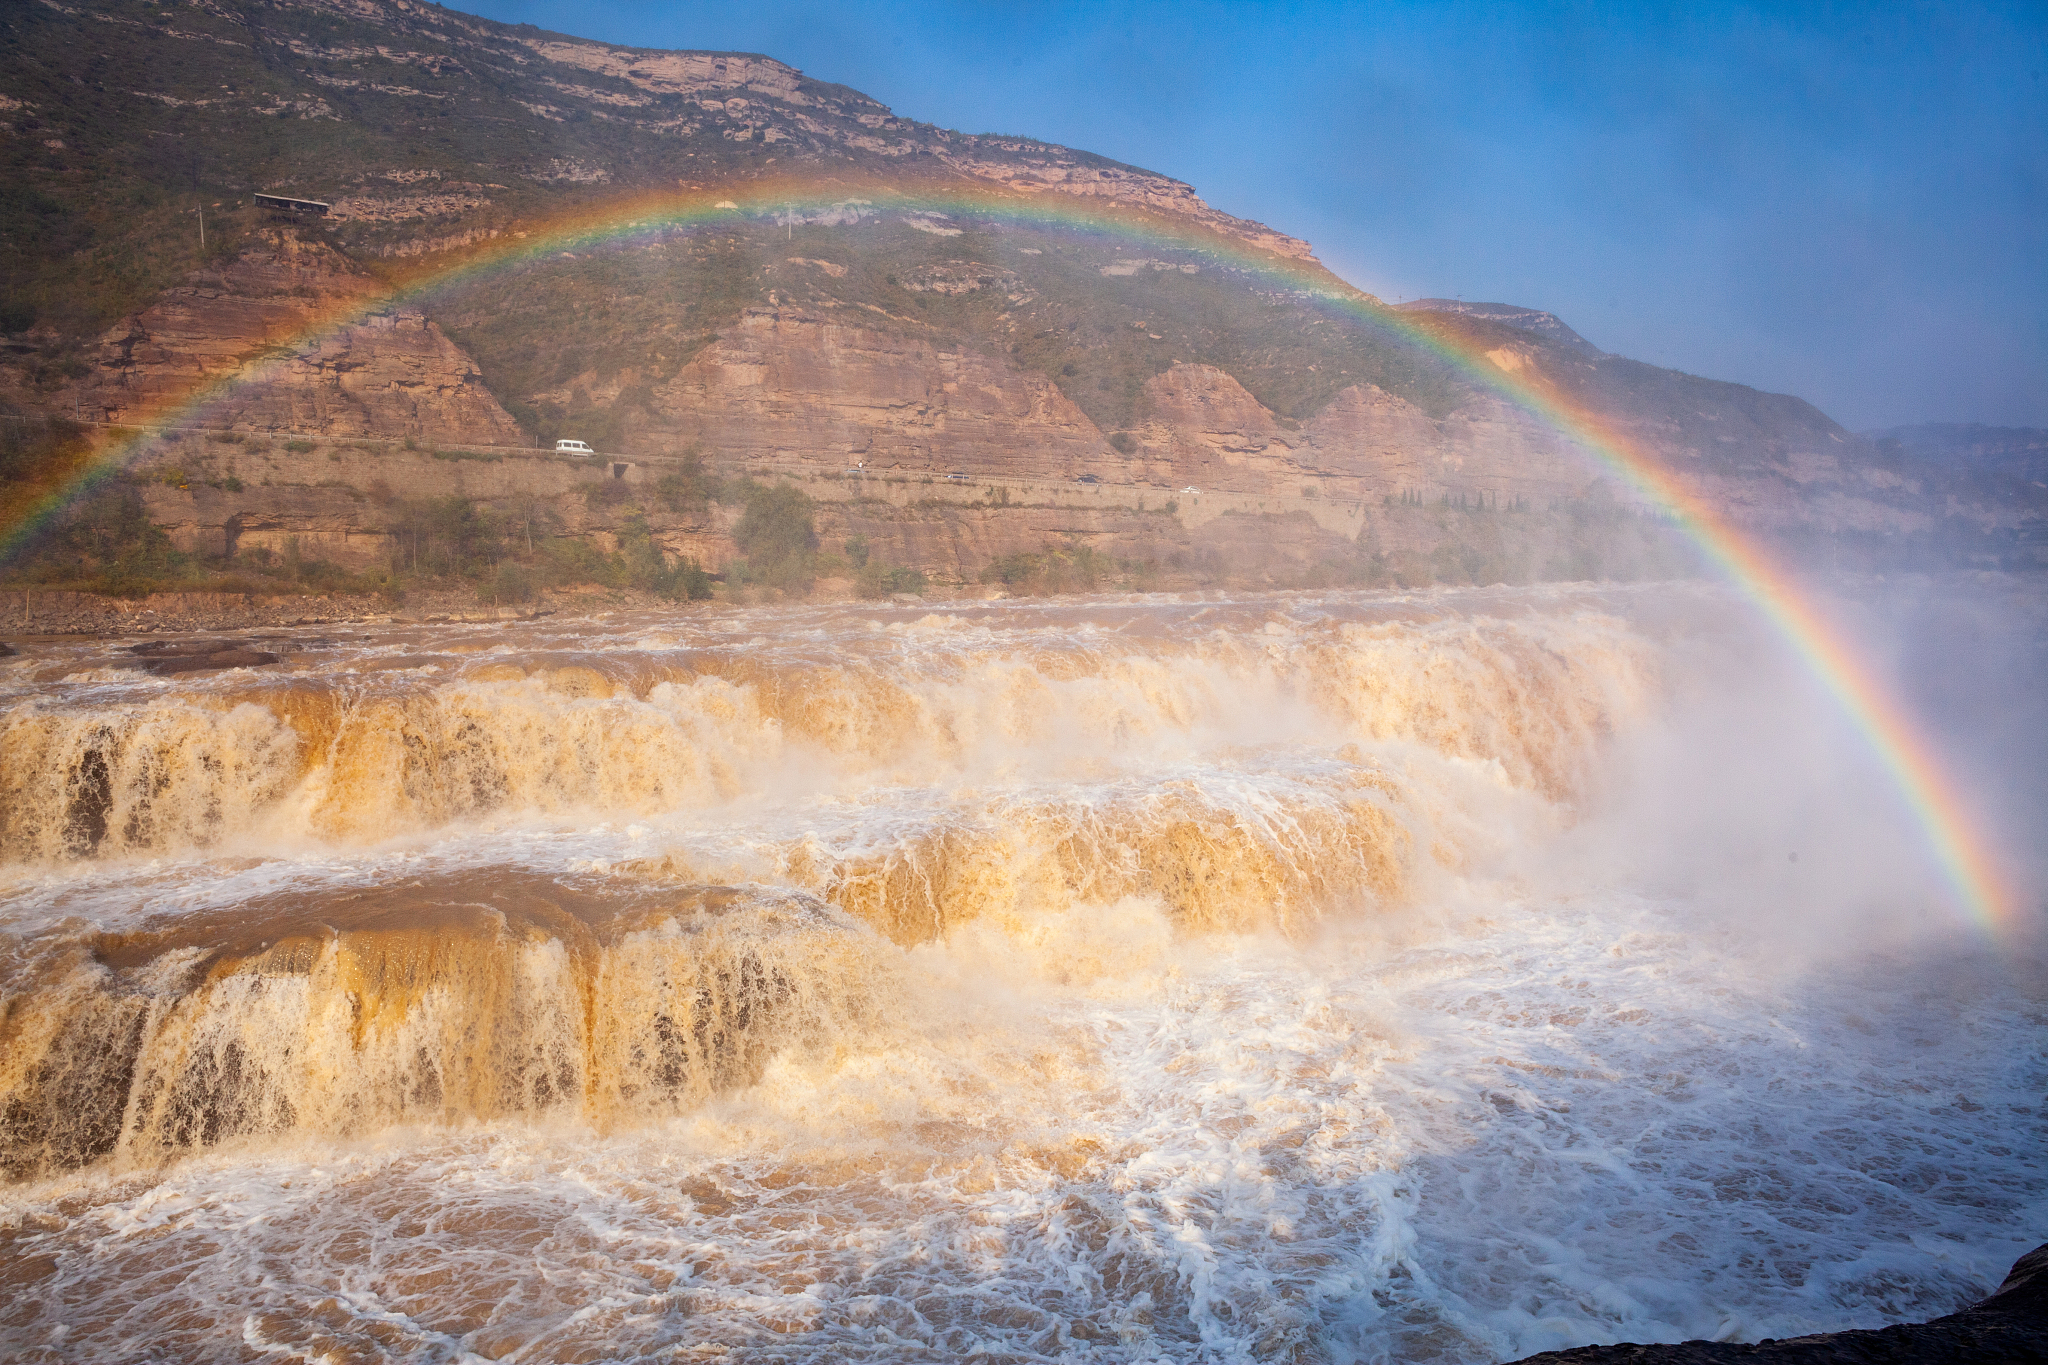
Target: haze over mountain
{"type": "Point", "coordinates": [1971, 446]}
{"type": "Point", "coordinates": [985, 336]}
{"type": "Point", "coordinates": [1838, 202]}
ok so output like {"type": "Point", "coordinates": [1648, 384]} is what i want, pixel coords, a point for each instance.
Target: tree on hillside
{"type": "Point", "coordinates": [778, 535]}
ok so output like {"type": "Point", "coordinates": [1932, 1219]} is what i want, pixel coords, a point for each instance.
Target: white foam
{"type": "Point", "coordinates": [1574, 1088]}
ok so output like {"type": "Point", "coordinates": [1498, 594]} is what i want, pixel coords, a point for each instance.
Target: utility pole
{"type": "Point", "coordinates": [202, 229]}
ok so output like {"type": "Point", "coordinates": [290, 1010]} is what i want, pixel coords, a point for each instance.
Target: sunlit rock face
{"type": "Point", "coordinates": [282, 318]}
{"type": "Point", "coordinates": [1161, 344]}
{"type": "Point", "coordinates": [822, 388]}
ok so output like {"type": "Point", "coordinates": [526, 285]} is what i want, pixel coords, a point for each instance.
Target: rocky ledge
{"type": "Point", "coordinates": [166, 658]}
{"type": "Point", "coordinates": [2010, 1327]}
{"type": "Point", "coordinates": [60, 612]}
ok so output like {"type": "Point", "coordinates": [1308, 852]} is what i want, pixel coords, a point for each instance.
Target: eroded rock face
{"type": "Point", "coordinates": [787, 383]}
{"type": "Point", "coordinates": [1490, 445]}
{"type": "Point", "coordinates": [391, 373]}
{"type": "Point", "coordinates": [1367, 433]}
{"type": "Point", "coordinates": [1205, 429]}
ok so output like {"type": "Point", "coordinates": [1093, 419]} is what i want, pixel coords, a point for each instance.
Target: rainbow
{"type": "Point", "coordinates": [1903, 749]}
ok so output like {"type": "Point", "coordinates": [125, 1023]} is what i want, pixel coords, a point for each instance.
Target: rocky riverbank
{"type": "Point", "coordinates": [34, 612]}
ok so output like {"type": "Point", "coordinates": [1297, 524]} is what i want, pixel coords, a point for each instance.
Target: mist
{"type": "Point", "coordinates": [1421, 975]}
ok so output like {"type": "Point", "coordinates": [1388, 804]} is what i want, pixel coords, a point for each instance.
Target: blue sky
{"type": "Point", "coordinates": [1845, 202]}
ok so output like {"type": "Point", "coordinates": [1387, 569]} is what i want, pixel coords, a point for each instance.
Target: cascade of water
{"type": "Point", "coordinates": [1276, 979]}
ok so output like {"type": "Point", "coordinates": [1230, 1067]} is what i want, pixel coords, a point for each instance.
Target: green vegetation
{"type": "Point", "coordinates": [777, 527]}
{"type": "Point", "coordinates": [641, 564]}
{"type": "Point", "coordinates": [778, 538]}
{"type": "Point", "coordinates": [688, 490]}
{"type": "Point", "coordinates": [107, 544]}
{"type": "Point", "coordinates": [1067, 568]}
{"type": "Point", "coordinates": [874, 579]}
{"type": "Point", "coordinates": [29, 446]}
{"type": "Point", "coordinates": [449, 540]}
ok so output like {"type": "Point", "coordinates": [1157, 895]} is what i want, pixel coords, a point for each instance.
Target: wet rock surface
{"type": "Point", "coordinates": [2010, 1327]}
{"type": "Point", "coordinates": [168, 657]}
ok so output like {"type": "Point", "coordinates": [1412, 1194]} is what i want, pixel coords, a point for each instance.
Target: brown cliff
{"type": "Point", "coordinates": [268, 319]}
{"type": "Point", "coordinates": [789, 384]}
{"type": "Point", "coordinates": [802, 338]}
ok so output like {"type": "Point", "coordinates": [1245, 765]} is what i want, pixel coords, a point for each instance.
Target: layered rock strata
{"type": "Point", "coordinates": [287, 320]}
{"type": "Point", "coordinates": [790, 384]}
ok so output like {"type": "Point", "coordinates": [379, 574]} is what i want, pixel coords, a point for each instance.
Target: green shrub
{"type": "Point", "coordinates": [605, 492]}
{"type": "Point", "coordinates": [30, 449]}
{"type": "Point", "coordinates": [692, 582]}
{"type": "Point", "coordinates": [778, 535]}
{"type": "Point", "coordinates": [877, 579]}
{"type": "Point", "coordinates": [643, 565]}
{"type": "Point", "coordinates": [1067, 568]}
{"type": "Point", "coordinates": [512, 584]}
{"type": "Point", "coordinates": [445, 537]}
{"type": "Point", "coordinates": [566, 559]}
{"type": "Point", "coordinates": [688, 490]}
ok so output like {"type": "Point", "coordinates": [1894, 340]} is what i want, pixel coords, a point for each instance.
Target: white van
{"type": "Point", "coordinates": [568, 447]}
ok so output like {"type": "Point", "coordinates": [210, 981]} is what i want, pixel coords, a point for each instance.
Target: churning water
{"type": "Point", "coordinates": [1444, 977]}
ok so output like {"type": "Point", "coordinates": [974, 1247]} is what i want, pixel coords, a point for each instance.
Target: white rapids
{"type": "Point", "coordinates": [1318, 977]}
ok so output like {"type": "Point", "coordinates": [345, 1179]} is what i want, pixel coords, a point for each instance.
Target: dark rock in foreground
{"type": "Point", "coordinates": [2009, 1327]}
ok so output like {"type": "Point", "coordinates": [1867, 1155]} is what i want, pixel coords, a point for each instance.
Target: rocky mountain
{"type": "Point", "coordinates": [1548, 326]}
{"type": "Point", "coordinates": [1968, 447]}
{"type": "Point", "coordinates": [1144, 342]}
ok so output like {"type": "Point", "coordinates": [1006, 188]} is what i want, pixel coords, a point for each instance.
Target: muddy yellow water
{"type": "Point", "coordinates": [1296, 978]}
